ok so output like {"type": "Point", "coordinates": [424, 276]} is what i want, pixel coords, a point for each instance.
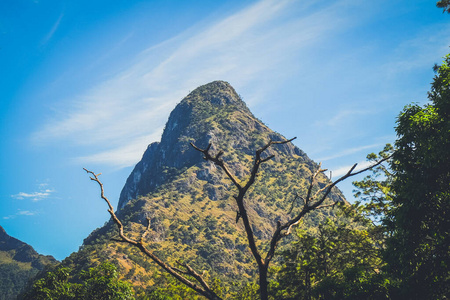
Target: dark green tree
{"type": "Point", "coordinates": [102, 283]}
{"type": "Point", "coordinates": [445, 4]}
{"type": "Point", "coordinates": [98, 283]}
{"type": "Point", "coordinates": [342, 260]}
{"type": "Point", "coordinates": [374, 192]}
{"type": "Point", "coordinates": [418, 252]}
{"type": "Point", "coordinates": [54, 285]}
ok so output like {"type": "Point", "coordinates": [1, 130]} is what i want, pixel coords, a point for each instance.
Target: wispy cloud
{"type": "Point", "coordinates": [343, 170]}
{"type": "Point", "coordinates": [20, 213]}
{"type": "Point", "coordinates": [52, 31]}
{"type": "Point", "coordinates": [420, 51]}
{"type": "Point", "coordinates": [135, 103]}
{"type": "Point", "coordinates": [121, 156]}
{"type": "Point", "coordinates": [344, 116]}
{"type": "Point", "coordinates": [43, 193]}
{"type": "Point", "coordinates": [349, 151]}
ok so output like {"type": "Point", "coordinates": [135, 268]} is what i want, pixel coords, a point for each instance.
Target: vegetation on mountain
{"type": "Point", "coordinates": [98, 283]}
{"type": "Point", "coordinates": [337, 260]}
{"type": "Point", "coordinates": [313, 200]}
{"type": "Point", "coordinates": [19, 262]}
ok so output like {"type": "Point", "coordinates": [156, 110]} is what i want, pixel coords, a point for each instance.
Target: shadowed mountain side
{"type": "Point", "coordinates": [19, 262]}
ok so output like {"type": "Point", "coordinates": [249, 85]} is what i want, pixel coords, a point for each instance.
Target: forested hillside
{"type": "Point", "coordinates": [19, 263]}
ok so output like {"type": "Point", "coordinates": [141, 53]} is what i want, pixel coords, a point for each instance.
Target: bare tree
{"type": "Point", "coordinates": [313, 200]}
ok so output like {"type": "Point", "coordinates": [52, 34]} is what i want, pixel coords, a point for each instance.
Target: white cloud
{"type": "Point", "coordinates": [26, 213]}
{"type": "Point", "coordinates": [122, 156]}
{"type": "Point", "coordinates": [350, 151]}
{"type": "Point", "coordinates": [344, 115]}
{"type": "Point", "coordinates": [43, 193]}
{"type": "Point", "coordinates": [343, 170]}
{"type": "Point", "coordinates": [52, 30]}
{"type": "Point", "coordinates": [36, 196]}
{"type": "Point", "coordinates": [20, 213]}
{"type": "Point", "coordinates": [116, 116]}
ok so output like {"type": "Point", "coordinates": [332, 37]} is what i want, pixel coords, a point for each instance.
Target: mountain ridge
{"type": "Point", "coordinates": [19, 262]}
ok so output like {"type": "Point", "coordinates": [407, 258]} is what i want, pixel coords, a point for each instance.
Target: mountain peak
{"type": "Point", "coordinates": [2, 231]}
{"type": "Point", "coordinates": [189, 202]}
{"type": "Point", "coordinates": [212, 113]}
{"type": "Point", "coordinates": [218, 93]}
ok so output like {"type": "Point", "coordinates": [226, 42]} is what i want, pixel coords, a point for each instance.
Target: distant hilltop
{"type": "Point", "coordinates": [19, 262]}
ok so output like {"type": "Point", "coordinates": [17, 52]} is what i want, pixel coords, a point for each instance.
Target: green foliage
{"type": "Point", "coordinates": [249, 291]}
{"type": "Point", "coordinates": [342, 260]}
{"type": "Point", "coordinates": [102, 283]}
{"type": "Point", "coordinates": [19, 262]}
{"type": "Point", "coordinates": [168, 288]}
{"type": "Point", "coordinates": [375, 190]}
{"type": "Point", "coordinates": [98, 283]}
{"type": "Point", "coordinates": [13, 278]}
{"type": "Point", "coordinates": [54, 285]}
{"type": "Point", "coordinates": [418, 251]}
{"type": "Point", "coordinates": [412, 196]}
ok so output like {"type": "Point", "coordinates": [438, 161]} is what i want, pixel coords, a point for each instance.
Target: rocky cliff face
{"type": "Point", "coordinates": [212, 113]}
{"type": "Point", "coordinates": [19, 262]}
{"type": "Point", "coordinates": [190, 202]}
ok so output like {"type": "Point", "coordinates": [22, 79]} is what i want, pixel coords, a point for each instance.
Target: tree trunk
{"type": "Point", "coordinates": [263, 285]}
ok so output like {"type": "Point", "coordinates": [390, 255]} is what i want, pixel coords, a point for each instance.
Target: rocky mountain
{"type": "Point", "coordinates": [189, 201]}
{"type": "Point", "coordinates": [19, 262]}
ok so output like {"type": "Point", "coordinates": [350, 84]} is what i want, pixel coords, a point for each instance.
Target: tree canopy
{"type": "Point", "coordinates": [98, 283]}
{"type": "Point", "coordinates": [418, 251]}
{"type": "Point", "coordinates": [445, 4]}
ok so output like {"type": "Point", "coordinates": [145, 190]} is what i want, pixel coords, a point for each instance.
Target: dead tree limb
{"type": "Point", "coordinates": [200, 287]}
{"type": "Point", "coordinates": [242, 190]}
{"type": "Point", "coordinates": [310, 202]}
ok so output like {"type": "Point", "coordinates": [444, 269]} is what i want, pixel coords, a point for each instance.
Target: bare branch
{"type": "Point", "coordinates": [203, 290]}
{"type": "Point", "coordinates": [327, 205]}
{"type": "Point", "coordinates": [197, 276]}
{"type": "Point", "coordinates": [307, 207]}
{"type": "Point", "coordinates": [296, 197]}
{"type": "Point", "coordinates": [217, 161]}
{"type": "Point", "coordinates": [270, 143]}
{"type": "Point", "coordinates": [242, 212]}
{"type": "Point", "coordinates": [146, 230]}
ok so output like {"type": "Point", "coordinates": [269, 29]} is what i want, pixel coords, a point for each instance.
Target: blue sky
{"type": "Point", "coordinates": [91, 84]}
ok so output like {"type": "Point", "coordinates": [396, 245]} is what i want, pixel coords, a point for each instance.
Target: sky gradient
{"type": "Point", "coordinates": [91, 84]}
